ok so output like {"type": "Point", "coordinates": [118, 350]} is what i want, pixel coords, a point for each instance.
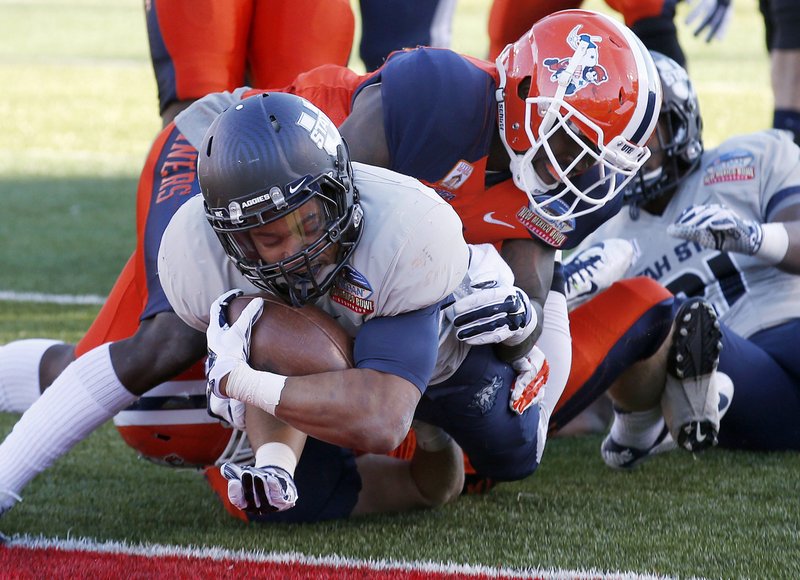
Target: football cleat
{"type": "Point", "coordinates": [622, 457]}
{"type": "Point", "coordinates": [690, 402]}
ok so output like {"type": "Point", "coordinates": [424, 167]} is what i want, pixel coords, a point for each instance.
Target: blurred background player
{"type": "Point", "coordinates": [389, 25]}
{"type": "Point", "coordinates": [782, 22]}
{"type": "Point", "coordinates": [207, 46]}
{"type": "Point", "coordinates": [651, 20]}
{"type": "Point", "coordinates": [723, 224]}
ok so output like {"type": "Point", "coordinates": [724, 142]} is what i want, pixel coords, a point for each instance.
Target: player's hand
{"type": "Point", "coordinates": [260, 490]}
{"type": "Point", "coordinates": [228, 346]}
{"type": "Point", "coordinates": [494, 313]}
{"type": "Point", "coordinates": [594, 269]}
{"type": "Point", "coordinates": [529, 386]}
{"type": "Point", "coordinates": [711, 15]}
{"type": "Point", "coordinates": [231, 411]}
{"type": "Point", "coordinates": [718, 228]}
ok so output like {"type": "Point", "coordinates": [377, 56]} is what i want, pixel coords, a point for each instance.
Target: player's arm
{"type": "Point", "coordinates": [364, 131]}
{"type": "Point", "coordinates": [789, 218]}
{"type": "Point", "coordinates": [717, 227]}
{"type": "Point", "coordinates": [369, 407]}
{"type": "Point", "coordinates": [532, 263]}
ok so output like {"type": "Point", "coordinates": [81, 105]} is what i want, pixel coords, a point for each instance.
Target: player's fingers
{"type": "Point", "coordinates": [236, 494]}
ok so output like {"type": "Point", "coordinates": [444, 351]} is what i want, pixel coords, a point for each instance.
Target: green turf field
{"type": "Point", "coordinates": [78, 109]}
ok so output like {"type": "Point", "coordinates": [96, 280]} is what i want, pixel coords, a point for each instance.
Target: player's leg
{"type": "Point", "coordinates": [765, 371]}
{"type": "Point", "coordinates": [389, 25]}
{"type": "Point", "coordinates": [197, 47]}
{"type": "Point", "coordinates": [107, 377]}
{"type": "Point", "coordinates": [675, 395]}
{"type": "Point", "coordinates": [653, 21]}
{"type": "Point", "coordinates": [289, 37]}
{"type": "Point", "coordinates": [782, 20]}
{"type": "Point", "coordinates": [620, 327]}
{"type": "Point", "coordinates": [510, 19]}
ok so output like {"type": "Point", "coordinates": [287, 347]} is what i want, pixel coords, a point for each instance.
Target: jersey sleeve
{"type": "Point", "coordinates": [781, 173]}
{"type": "Point", "coordinates": [404, 345]}
{"type": "Point", "coordinates": [438, 109]}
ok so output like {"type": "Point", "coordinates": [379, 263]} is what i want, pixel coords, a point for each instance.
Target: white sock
{"type": "Point", "coordinates": [556, 343]}
{"type": "Point", "coordinates": [19, 380]}
{"type": "Point", "coordinates": [638, 429]}
{"type": "Point", "coordinates": [83, 397]}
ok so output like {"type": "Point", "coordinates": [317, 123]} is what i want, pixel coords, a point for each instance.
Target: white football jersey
{"type": "Point", "coordinates": [755, 175]}
{"type": "Point", "coordinates": [412, 254]}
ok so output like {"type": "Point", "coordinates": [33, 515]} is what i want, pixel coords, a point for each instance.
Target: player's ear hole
{"type": "Point", "coordinates": [524, 88]}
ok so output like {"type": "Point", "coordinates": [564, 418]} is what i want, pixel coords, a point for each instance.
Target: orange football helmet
{"type": "Point", "coordinates": [170, 426]}
{"type": "Point", "coordinates": [585, 80]}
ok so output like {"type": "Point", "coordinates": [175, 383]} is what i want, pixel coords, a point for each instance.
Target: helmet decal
{"type": "Point", "coordinates": [321, 129]}
{"type": "Point", "coordinates": [586, 69]}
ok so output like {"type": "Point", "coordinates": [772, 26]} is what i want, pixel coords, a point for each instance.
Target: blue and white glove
{"type": "Point", "coordinates": [718, 228]}
{"type": "Point", "coordinates": [231, 411]}
{"type": "Point", "coordinates": [492, 313]}
{"type": "Point", "coordinates": [590, 271]}
{"type": "Point", "coordinates": [260, 490]}
{"type": "Point", "coordinates": [712, 15]}
{"type": "Point", "coordinates": [228, 346]}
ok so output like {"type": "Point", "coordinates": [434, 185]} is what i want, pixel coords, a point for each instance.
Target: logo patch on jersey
{"type": "Point", "coordinates": [539, 222]}
{"type": "Point", "coordinates": [485, 398]}
{"type": "Point", "coordinates": [588, 71]}
{"type": "Point", "coordinates": [457, 176]}
{"type": "Point", "coordinates": [733, 166]}
{"type": "Point", "coordinates": [352, 290]}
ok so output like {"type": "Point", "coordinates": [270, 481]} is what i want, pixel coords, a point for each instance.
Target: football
{"type": "Point", "coordinates": [295, 341]}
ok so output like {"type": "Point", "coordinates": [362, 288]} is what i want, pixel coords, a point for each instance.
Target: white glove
{"type": "Point", "coordinates": [714, 15]}
{"type": "Point", "coordinates": [228, 346]}
{"type": "Point", "coordinates": [590, 271]}
{"type": "Point", "coordinates": [260, 490]}
{"type": "Point", "coordinates": [529, 386]}
{"type": "Point", "coordinates": [231, 411]}
{"type": "Point", "coordinates": [493, 313]}
{"type": "Point", "coordinates": [718, 228]}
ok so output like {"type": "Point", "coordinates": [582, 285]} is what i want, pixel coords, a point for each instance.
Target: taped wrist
{"type": "Point", "coordinates": [277, 454]}
{"type": "Point", "coordinates": [261, 389]}
{"type": "Point", "coordinates": [774, 243]}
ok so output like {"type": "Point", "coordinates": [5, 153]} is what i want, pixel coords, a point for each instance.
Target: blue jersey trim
{"type": "Point", "coordinates": [780, 197]}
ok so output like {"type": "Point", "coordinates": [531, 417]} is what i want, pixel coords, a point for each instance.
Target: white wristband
{"type": "Point", "coordinates": [277, 454]}
{"type": "Point", "coordinates": [774, 243]}
{"type": "Point", "coordinates": [258, 388]}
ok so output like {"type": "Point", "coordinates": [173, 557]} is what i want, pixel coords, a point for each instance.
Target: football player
{"type": "Point", "coordinates": [722, 224]}
{"type": "Point", "coordinates": [380, 253]}
{"type": "Point", "coordinates": [568, 161]}
{"type": "Point", "coordinates": [206, 46]}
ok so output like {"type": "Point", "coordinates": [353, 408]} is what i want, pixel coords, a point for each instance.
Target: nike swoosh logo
{"type": "Point", "coordinates": [296, 187]}
{"type": "Point", "coordinates": [490, 220]}
{"type": "Point", "coordinates": [700, 437]}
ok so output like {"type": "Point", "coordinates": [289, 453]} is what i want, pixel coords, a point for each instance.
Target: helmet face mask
{"type": "Point", "coordinates": [580, 74]}
{"type": "Point", "coordinates": [292, 220]}
{"type": "Point", "coordinates": [677, 142]}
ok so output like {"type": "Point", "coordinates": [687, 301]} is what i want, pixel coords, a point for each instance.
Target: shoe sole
{"type": "Point", "coordinates": [693, 357]}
